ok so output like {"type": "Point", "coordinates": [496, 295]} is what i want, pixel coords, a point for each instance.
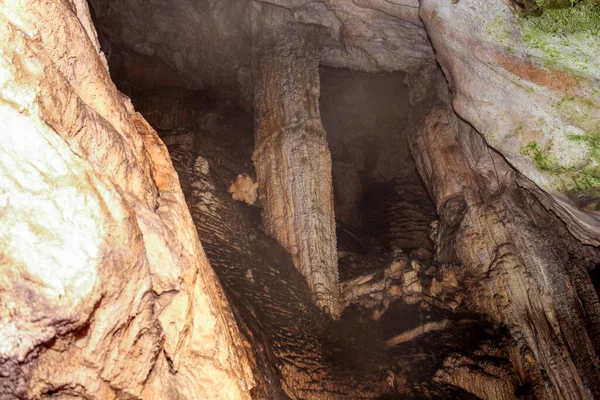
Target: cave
{"type": "Point", "coordinates": [300, 199]}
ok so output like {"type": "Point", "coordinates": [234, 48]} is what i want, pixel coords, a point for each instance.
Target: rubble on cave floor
{"type": "Point", "coordinates": [435, 348]}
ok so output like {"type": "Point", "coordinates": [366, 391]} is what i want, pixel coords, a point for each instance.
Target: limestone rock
{"type": "Point", "coordinates": [480, 375]}
{"type": "Point", "coordinates": [293, 162]}
{"type": "Point", "coordinates": [406, 280]}
{"type": "Point", "coordinates": [213, 40]}
{"type": "Point", "coordinates": [106, 291]}
{"type": "Point", "coordinates": [377, 189]}
{"type": "Point", "coordinates": [504, 245]}
{"type": "Point", "coordinates": [244, 189]}
{"type": "Point", "coordinates": [101, 269]}
{"type": "Point", "coordinates": [530, 87]}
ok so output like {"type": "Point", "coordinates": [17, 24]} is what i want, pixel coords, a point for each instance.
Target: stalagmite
{"type": "Point", "coordinates": [293, 163]}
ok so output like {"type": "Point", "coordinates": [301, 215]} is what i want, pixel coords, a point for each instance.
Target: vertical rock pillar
{"type": "Point", "coordinates": [293, 162]}
{"type": "Point", "coordinates": [526, 271]}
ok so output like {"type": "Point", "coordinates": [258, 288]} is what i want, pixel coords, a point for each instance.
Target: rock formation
{"type": "Point", "coordinates": [526, 280]}
{"type": "Point", "coordinates": [374, 199]}
{"type": "Point", "coordinates": [530, 87]}
{"type": "Point", "coordinates": [292, 161]}
{"type": "Point", "coordinates": [106, 291]}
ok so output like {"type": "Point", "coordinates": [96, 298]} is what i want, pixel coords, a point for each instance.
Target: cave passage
{"type": "Point", "coordinates": [405, 326]}
{"type": "Point", "coordinates": [299, 200]}
{"type": "Point", "coordinates": [380, 200]}
{"type": "Point", "coordinates": [401, 309]}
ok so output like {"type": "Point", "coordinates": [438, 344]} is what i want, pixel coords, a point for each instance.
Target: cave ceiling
{"type": "Point", "coordinates": [209, 42]}
{"type": "Point", "coordinates": [213, 44]}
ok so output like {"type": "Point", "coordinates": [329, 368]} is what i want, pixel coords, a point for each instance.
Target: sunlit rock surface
{"type": "Point", "coordinates": [105, 289]}
{"type": "Point", "coordinates": [529, 274]}
{"type": "Point", "coordinates": [531, 86]}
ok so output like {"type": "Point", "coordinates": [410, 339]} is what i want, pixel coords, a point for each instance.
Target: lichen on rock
{"type": "Point", "coordinates": [530, 85]}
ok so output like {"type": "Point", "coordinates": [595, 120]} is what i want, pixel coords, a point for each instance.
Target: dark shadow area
{"type": "Point", "coordinates": [595, 275]}
{"type": "Point", "coordinates": [379, 196]}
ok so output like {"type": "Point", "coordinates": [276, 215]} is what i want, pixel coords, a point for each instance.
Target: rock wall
{"type": "Point", "coordinates": [296, 354]}
{"type": "Point", "coordinates": [292, 160]}
{"type": "Point", "coordinates": [209, 42]}
{"type": "Point", "coordinates": [531, 273]}
{"type": "Point", "coordinates": [106, 291]}
{"type": "Point", "coordinates": [102, 272]}
{"type": "Point", "coordinates": [531, 86]}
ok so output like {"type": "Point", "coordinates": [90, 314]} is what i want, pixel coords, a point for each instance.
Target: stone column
{"type": "Point", "coordinates": [293, 162]}
{"type": "Point", "coordinates": [526, 270]}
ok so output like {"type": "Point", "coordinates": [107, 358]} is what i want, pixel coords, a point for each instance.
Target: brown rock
{"type": "Point", "coordinates": [293, 163]}
{"type": "Point", "coordinates": [518, 278]}
{"type": "Point", "coordinates": [102, 272]}
{"type": "Point", "coordinates": [531, 93]}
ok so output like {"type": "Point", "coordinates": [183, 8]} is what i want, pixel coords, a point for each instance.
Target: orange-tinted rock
{"type": "Point", "coordinates": [106, 289]}
{"type": "Point", "coordinates": [531, 92]}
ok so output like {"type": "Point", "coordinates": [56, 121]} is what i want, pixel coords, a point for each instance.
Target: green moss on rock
{"type": "Point", "coordinates": [499, 31]}
{"type": "Point", "coordinates": [579, 183]}
{"type": "Point", "coordinates": [582, 18]}
{"type": "Point", "coordinates": [581, 112]}
{"type": "Point", "coordinates": [538, 7]}
{"type": "Point", "coordinates": [592, 140]}
{"type": "Point", "coordinates": [565, 38]}
{"type": "Point", "coordinates": [543, 162]}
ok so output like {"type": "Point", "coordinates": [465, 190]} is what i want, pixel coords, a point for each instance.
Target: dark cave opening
{"type": "Point", "coordinates": [380, 200]}
{"type": "Point", "coordinates": [595, 275]}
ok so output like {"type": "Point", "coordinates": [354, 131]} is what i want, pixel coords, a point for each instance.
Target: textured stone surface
{"type": "Point", "coordinates": [416, 306]}
{"type": "Point", "coordinates": [436, 347]}
{"type": "Point", "coordinates": [244, 189]}
{"type": "Point", "coordinates": [101, 270]}
{"type": "Point", "coordinates": [293, 163]}
{"type": "Point", "coordinates": [210, 42]}
{"type": "Point", "coordinates": [532, 92]}
{"type": "Point", "coordinates": [501, 234]}
{"type": "Point", "coordinates": [106, 291]}
{"type": "Point", "coordinates": [406, 279]}
{"type": "Point", "coordinates": [297, 352]}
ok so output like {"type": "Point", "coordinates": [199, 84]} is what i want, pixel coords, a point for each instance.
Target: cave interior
{"type": "Point", "coordinates": [370, 241]}
{"type": "Point", "coordinates": [408, 327]}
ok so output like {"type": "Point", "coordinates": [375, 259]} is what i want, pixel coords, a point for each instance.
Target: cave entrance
{"type": "Point", "coordinates": [380, 200]}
